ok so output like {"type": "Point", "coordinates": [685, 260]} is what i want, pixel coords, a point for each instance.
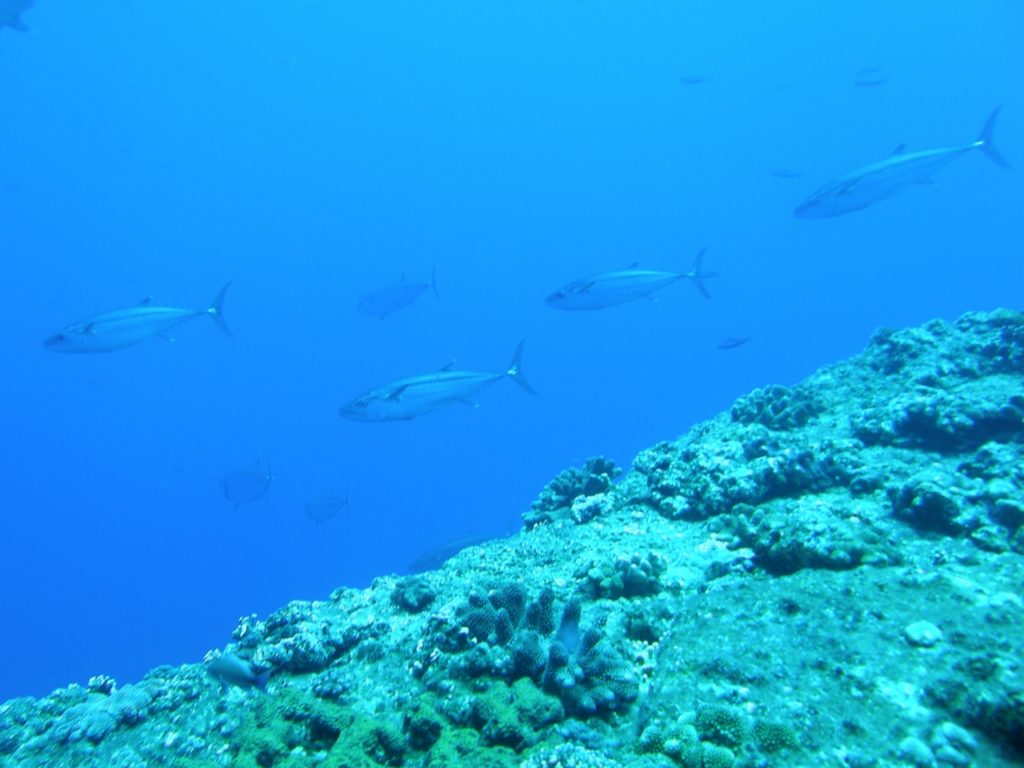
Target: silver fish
{"type": "Point", "coordinates": [122, 328]}
{"type": "Point", "coordinates": [609, 289]}
{"type": "Point", "coordinates": [414, 396]}
{"type": "Point", "coordinates": [324, 508]}
{"type": "Point", "coordinates": [247, 485]}
{"type": "Point", "coordinates": [733, 342]}
{"type": "Point", "coordinates": [10, 13]}
{"type": "Point", "coordinates": [785, 173]}
{"type": "Point", "coordinates": [878, 181]}
{"type": "Point", "coordinates": [229, 669]}
{"type": "Point", "coordinates": [436, 557]}
{"type": "Point", "coordinates": [384, 301]}
{"type": "Point", "coordinates": [871, 77]}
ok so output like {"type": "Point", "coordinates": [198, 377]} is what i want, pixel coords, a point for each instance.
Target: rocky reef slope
{"type": "Point", "coordinates": [826, 575]}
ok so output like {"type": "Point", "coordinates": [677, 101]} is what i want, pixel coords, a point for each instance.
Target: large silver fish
{"type": "Point", "coordinates": [247, 485]}
{"type": "Point", "coordinates": [391, 298]}
{"type": "Point", "coordinates": [866, 186]}
{"type": "Point", "coordinates": [609, 289]}
{"type": "Point", "coordinates": [434, 558]}
{"type": "Point", "coordinates": [10, 13]}
{"type": "Point", "coordinates": [324, 508]}
{"type": "Point", "coordinates": [408, 398]}
{"type": "Point", "coordinates": [111, 331]}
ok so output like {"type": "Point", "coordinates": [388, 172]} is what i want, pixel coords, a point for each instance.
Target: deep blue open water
{"type": "Point", "coordinates": [312, 152]}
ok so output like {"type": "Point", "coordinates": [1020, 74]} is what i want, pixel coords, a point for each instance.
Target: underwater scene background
{"type": "Point", "coordinates": [315, 153]}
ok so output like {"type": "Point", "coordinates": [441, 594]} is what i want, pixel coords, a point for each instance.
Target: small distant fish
{"type": "Point", "coordinates": [384, 301]}
{"type": "Point", "coordinates": [247, 485]}
{"type": "Point", "coordinates": [10, 13]}
{"type": "Point", "coordinates": [434, 558]}
{"type": "Point", "coordinates": [733, 341]}
{"type": "Point", "coordinates": [694, 80]}
{"type": "Point", "coordinates": [122, 328]}
{"type": "Point", "coordinates": [870, 77]}
{"type": "Point", "coordinates": [785, 173]}
{"type": "Point", "coordinates": [414, 396]}
{"type": "Point", "coordinates": [609, 289]}
{"type": "Point", "coordinates": [324, 508]}
{"type": "Point", "coordinates": [229, 669]}
{"type": "Point", "coordinates": [878, 181]}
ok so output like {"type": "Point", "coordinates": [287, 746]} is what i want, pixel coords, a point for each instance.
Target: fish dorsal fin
{"type": "Point", "coordinates": [396, 393]}
{"type": "Point", "coordinates": [89, 329]}
{"type": "Point", "coordinates": [448, 366]}
{"type": "Point", "coordinates": [146, 302]}
{"type": "Point", "coordinates": [901, 149]}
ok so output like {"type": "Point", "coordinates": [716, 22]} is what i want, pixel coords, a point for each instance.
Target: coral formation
{"type": "Point", "coordinates": [828, 573]}
{"type": "Point", "coordinates": [579, 493]}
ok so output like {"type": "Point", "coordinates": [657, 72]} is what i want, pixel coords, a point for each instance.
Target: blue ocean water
{"type": "Point", "coordinates": [316, 152]}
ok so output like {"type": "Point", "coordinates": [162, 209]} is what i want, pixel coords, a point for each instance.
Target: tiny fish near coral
{"type": "Point", "coordinates": [229, 669]}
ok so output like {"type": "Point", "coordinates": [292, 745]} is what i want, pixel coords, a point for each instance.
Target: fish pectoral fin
{"type": "Point", "coordinates": [448, 366]}
{"type": "Point", "coordinates": [634, 265]}
{"type": "Point", "coordinates": [89, 329]}
{"type": "Point", "coordinates": [847, 189]}
{"type": "Point", "coordinates": [396, 393]}
{"type": "Point", "coordinates": [146, 301]}
{"type": "Point", "coordinates": [586, 288]}
{"type": "Point", "coordinates": [901, 149]}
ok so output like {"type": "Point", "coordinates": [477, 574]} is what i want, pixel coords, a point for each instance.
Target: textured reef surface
{"type": "Point", "coordinates": [826, 575]}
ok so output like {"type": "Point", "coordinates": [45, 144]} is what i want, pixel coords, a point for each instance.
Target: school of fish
{"type": "Point", "coordinates": [416, 395]}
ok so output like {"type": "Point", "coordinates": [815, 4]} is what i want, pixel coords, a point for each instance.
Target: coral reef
{"type": "Point", "coordinates": [827, 574]}
{"type": "Point", "coordinates": [505, 635]}
{"type": "Point", "coordinates": [576, 493]}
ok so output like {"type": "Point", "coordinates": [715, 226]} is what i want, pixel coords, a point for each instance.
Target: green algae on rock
{"type": "Point", "coordinates": [827, 574]}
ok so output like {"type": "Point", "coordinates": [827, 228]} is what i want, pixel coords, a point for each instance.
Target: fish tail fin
{"type": "Point", "coordinates": [515, 370]}
{"type": "Point", "coordinates": [433, 281]}
{"type": "Point", "coordinates": [698, 275]}
{"type": "Point", "coordinates": [216, 310]}
{"type": "Point", "coordinates": [261, 680]}
{"type": "Point", "coordinates": [986, 140]}
{"type": "Point", "coordinates": [269, 477]}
